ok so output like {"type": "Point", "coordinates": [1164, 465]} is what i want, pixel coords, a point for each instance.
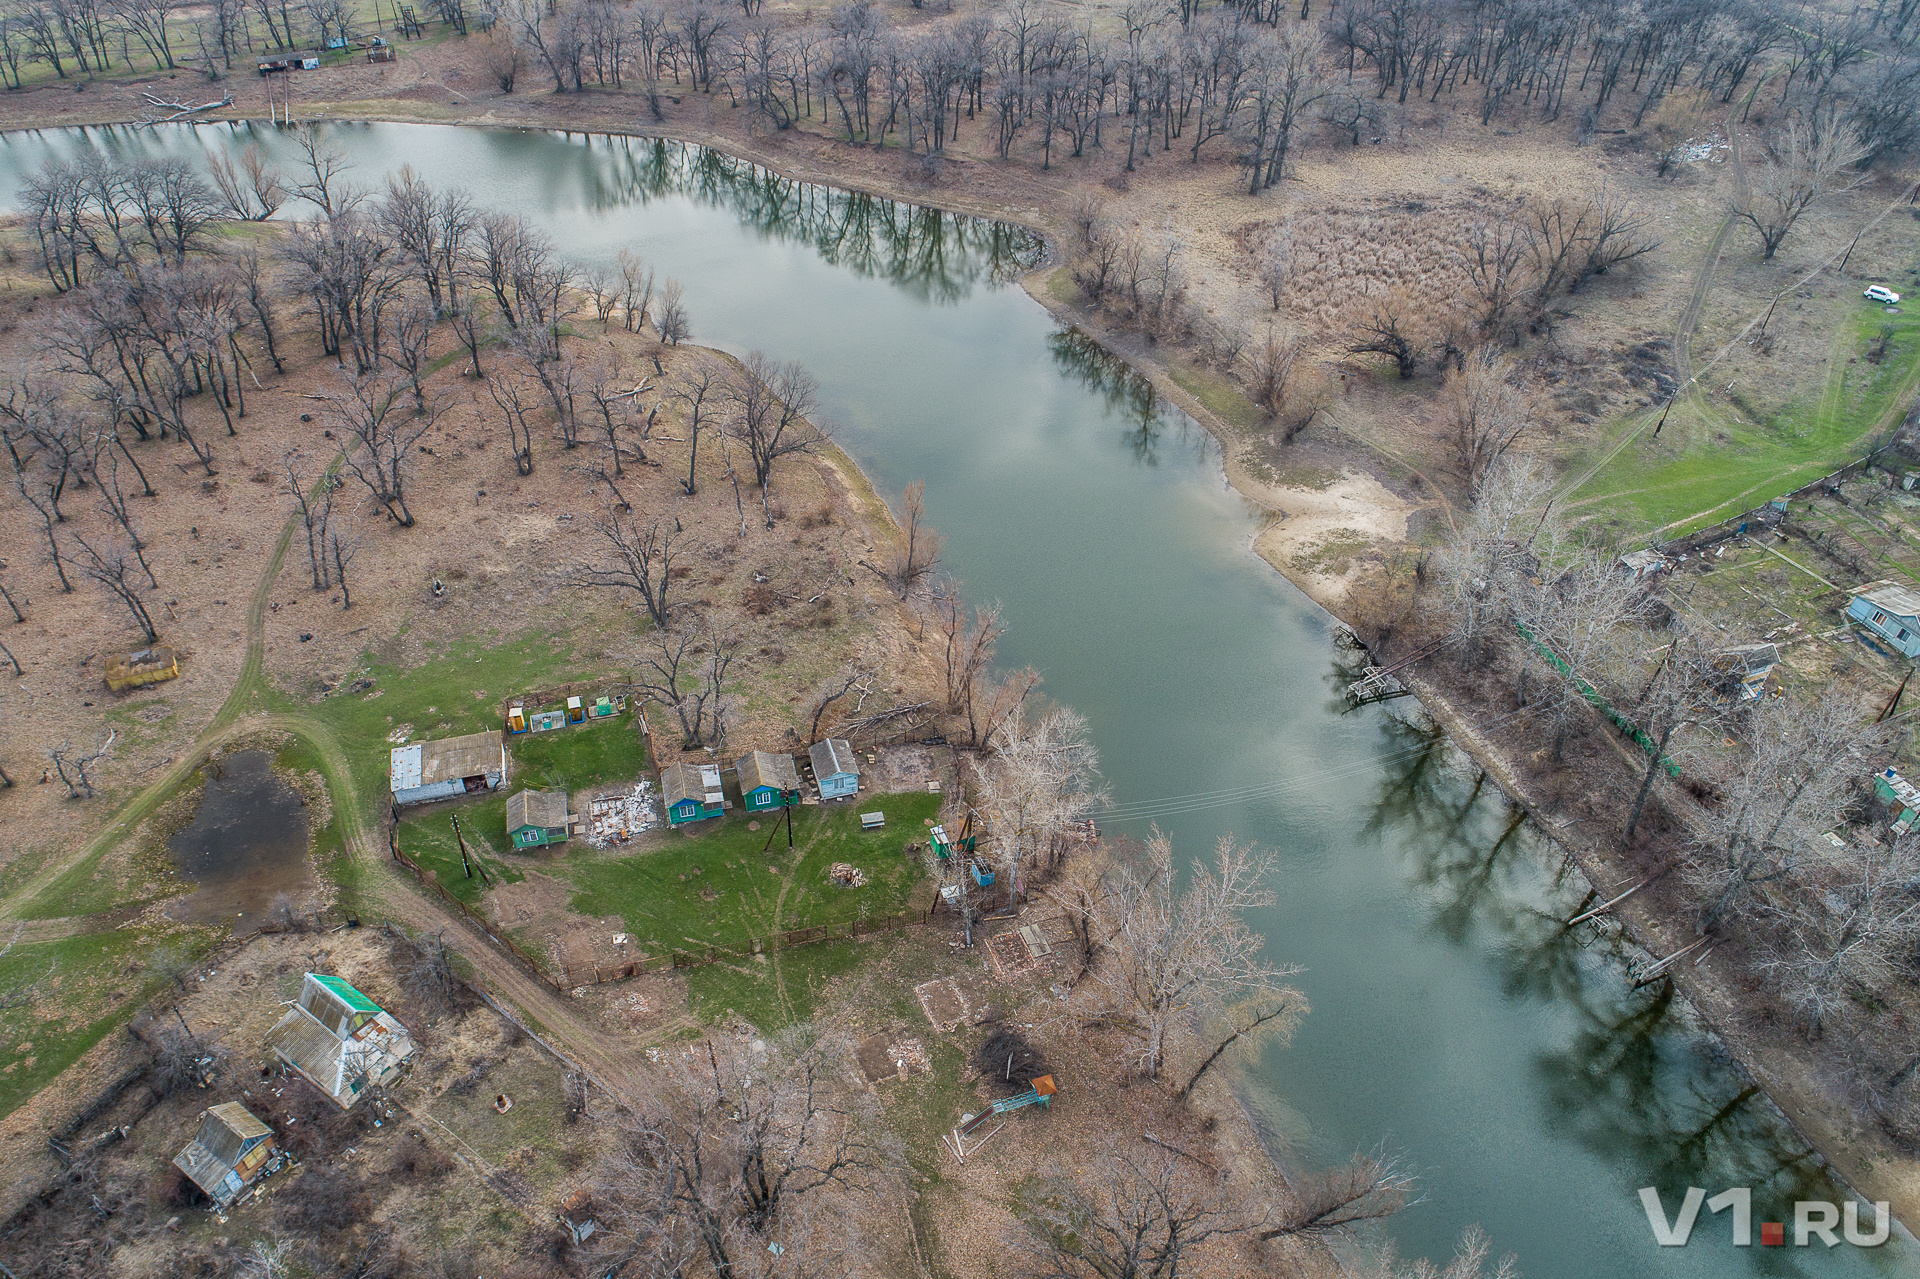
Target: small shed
{"type": "Point", "coordinates": [147, 666]}
{"type": "Point", "coordinates": [1744, 669]}
{"type": "Point", "coordinates": [1900, 795]}
{"type": "Point", "coordinates": [576, 711]}
{"type": "Point", "coordinates": [1642, 565]}
{"type": "Point", "coordinates": [576, 1216]}
{"type": "Point", "coordinates": [340, 1041]}
{"type": "Point", "coordinates": [448, 767]}
{"type": "Point", "coordinates": [767, 781]}
{"type": "Point", "coordinates": [835, 769]}
{"type": "Point", "coordinates": [229, 1152]}
{"type": "Point", "coordinates": [1891, 611]}
{"type": "Point", "coordinates": [537, 818]}
{"type": "Point", "coordinates": [691, 792]}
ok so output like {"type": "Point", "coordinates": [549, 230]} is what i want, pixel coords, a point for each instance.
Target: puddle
{"type": "Point", "coordinates": [246, 845]}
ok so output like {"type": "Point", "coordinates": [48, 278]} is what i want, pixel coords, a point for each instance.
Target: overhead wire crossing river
{"type": "Point", "coordinates": [1455, 1016]}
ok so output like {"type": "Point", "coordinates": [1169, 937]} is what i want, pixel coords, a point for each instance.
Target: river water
{"type": "Point", "coordinates": [1454, 1019]}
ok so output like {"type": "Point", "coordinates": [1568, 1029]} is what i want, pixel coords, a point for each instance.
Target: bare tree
{"type": "Point", "coordinates": [642, 562]}
{"type": "Point", "coordinates": [1484, 551]}
{"type": "Point", "coordinates": [342, 540]}
{"type": "Point", "coordinates": [1489, 413]}
{"type": "Point", "coordinates": [507, 393]}
{"type": "Point", "coordinates": [384, 436]}
{"type": "Point", "coordinates": [1181, 945]}
{"type": "Point", "coordinates": [695, 381]}
{"type": "Point", "coordinates": [737, 1145]}
{"type": "Point", "coordinates": [856, 677]}
{"type": "Point", "coordinates": [1782, 787]}
{"type": "Point", "coordinates": [72, 769]}
{"type": "Point", "coordinates": [1042, 775]}
{"type": "Point", "coordinates": [1373, 1185]}
{"type": "Point", "coordinates": [918, 551]}
{"type": "Point", "coordinates": [1140, 1217]}
{"type": "Point", "coordinates": [252, 189]}
{"type": "Point", "coordinates": [672, 322]}
{"type": "Point", "coordinates": [636, 291]}
{"type": "Point", "coordinates": [322, 180]}
{"type": "Point", "coordinates": [1850, 921]}
{"type": "Point", "coordinates": [111, 571]}
{"type": "Point", "coordinates": [1814, 159]}
{"type": "Point", "coordinates": [1386, 326]}
{"type": "Point", "coordinates": [773, 405]}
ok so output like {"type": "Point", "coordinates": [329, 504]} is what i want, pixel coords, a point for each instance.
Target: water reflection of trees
{"type": "Point", "coordinates": [1635, 1083]}
{"type": "Point", "coordinates": [1129, 394]}
{"type": "Point", "coordinates": [936, 255]}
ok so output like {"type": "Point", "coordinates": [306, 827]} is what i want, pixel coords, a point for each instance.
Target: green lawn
{"type": "Point", "coordinates": [580, 756]}
{"type": "Point", "coordinates": [749, 989]}
{"type": "Point", "coordinates": [569, 759]}
{"type": "Point", "coordinates": [62, 997]}
{"type": "Point", "coordinates": [714, 887]}
{"type": "Point", "coordinates": [457, 691]}
{"type": "Point", "coordinates": [1709, 464]}
{"type": "Point", "coordinates": [428, 839]}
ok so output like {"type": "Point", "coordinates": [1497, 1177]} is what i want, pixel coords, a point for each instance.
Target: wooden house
{"type": "Point", "coordinates": [537, 818]}
{"type": "Point", "coordinates": [340, 1041]}
{"type": "Point", "coordinates": [691, 792]}
{"type": "Point", "coordinates": [836, 770]}
{"type": "Point", "coordinates": [229, 1152]}
{"type": "Point", "coordinates": [147, 666]}
{"type": "Point", "coordinates": [1890, 611]}
{"type": "Point", "coordinates": [423, 771]}
{"type": "Point", "coordinates": [767, 781]}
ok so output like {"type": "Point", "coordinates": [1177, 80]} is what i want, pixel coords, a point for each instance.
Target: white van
{"type": "Point", "coordinates": [1880, 293]}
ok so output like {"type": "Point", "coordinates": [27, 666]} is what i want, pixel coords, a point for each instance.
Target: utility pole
{"type": "Point", "coordinates": [469, 865]}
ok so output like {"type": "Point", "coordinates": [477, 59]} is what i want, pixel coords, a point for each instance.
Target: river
{"type": "Point", "coordinates": [1454, 1019]}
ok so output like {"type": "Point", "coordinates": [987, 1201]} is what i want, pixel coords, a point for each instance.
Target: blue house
{"type": "Point", "coordinates": [692, 792]}
{"type": "Point", "coordinates": [834, 769]}
{"type": "Point", "coordinates": [1890, 611]}
{"type": "Point", "coordinates": [767, 781]}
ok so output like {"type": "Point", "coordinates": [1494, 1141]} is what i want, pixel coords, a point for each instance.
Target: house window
{"type": "Point", "coordinates": [1879, 619]}
{"type": "Point", "coordinates": [1903, 633]}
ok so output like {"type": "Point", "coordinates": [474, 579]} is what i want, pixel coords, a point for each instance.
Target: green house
{"type": "Point", "coordinates": [767, 781]}
{"type": "Point", "coordinates": [537, 818]}
{"type": "Point", "coordinates": [691, 792]}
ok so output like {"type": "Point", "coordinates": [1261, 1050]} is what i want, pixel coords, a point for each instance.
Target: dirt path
{"type": "Point", "coordinates": [1683, 371]}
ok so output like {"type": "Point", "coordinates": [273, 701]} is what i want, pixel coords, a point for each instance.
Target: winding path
{"type": "Point", "coordinates": [594, 1052]}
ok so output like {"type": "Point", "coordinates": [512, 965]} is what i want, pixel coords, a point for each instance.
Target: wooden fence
{"type": "Point", "coordinates": [467, 912]}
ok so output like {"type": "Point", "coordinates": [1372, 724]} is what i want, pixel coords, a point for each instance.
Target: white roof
{"type": "Point", "coordinates": [406, 767]}
{"type": "Point", "coordinates": [1891, 596]}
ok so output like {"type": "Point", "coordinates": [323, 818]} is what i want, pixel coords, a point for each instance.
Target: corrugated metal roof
{"type": "Point", "coordinates": [1891, 596]}
{"type": "Point", "coordinates": [833, 756]}
{"type": "Point", "coordinates": [225, 1128]}
{"type": "Point", "coordinates": [347, 994]}
{"type": "Point", "coordinates": [403, 772]}
{"type": "Point", "coordinates": [202, 1167]}
{"type": "Point", "coordinates": [309, 1047]}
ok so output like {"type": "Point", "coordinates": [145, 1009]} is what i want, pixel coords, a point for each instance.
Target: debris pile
{"type": "Point", "coordinates": [615, 819]}
{"type": "Point", "coordinates": [847, 876]}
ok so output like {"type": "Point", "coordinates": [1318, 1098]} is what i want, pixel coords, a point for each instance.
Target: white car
{"type": "Point", "coordinates": [1880, 293]}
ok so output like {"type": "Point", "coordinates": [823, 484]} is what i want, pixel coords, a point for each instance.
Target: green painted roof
{"type": "Point", "coordinates": [348, 995]}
